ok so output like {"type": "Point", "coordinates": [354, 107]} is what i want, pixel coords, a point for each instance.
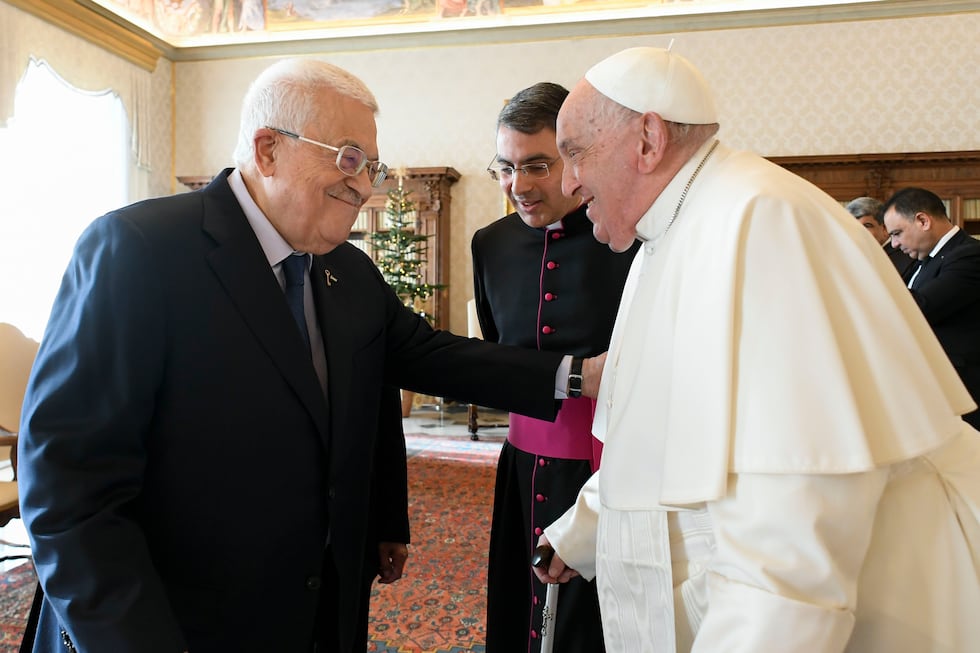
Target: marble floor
{"type": "Point", "coordinates": [452, 420]}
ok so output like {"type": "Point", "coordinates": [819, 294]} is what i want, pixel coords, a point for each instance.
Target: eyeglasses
{"type": "Point", "coordinates": [532, 170]}
{"type": "Point", "coordinates": [350, 160]}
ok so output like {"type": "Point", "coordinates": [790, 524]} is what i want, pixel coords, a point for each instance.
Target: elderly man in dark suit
{"type": "Point", "coordinates": [946, 282]}
{"type": "Point", "coordinates": [868, 212]}
{"type": "Point", "coordinates": [199, 435]}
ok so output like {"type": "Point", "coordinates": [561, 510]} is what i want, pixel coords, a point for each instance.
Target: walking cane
{"type": "Point", "coordinates": [549, 614]}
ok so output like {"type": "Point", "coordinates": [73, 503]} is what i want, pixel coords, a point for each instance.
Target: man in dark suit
{"type": "Point", "coordinates": [200, 431]}
{"type": "Point", "coordinates": [868, 212]}
{"type": "Point", "coordinates": [946, 283]}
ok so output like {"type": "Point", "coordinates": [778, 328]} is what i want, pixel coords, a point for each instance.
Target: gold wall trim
{"type": "Point", "coordinates": [95, 28]}
{"type": "Point", "coordinates": [435, 34]}
{"type": "Point", "coordinates": [114, 33]}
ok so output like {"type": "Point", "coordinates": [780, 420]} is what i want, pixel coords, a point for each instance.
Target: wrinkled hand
{"type": "Point", "coordinates": [592, 374]}
{"type": "Point", "coordinates": [391, 561]}
{"type": "Point", "coordinates": [557, 571]}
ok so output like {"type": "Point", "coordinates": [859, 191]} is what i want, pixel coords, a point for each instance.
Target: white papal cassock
{"type": "Point", "coordinates": [785, 469]}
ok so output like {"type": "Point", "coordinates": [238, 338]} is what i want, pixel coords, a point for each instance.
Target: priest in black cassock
{"type": "Point", "coordinates": [543, 282]}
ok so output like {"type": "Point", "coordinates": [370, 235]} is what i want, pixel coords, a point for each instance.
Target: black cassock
{"type": "Point", "coordinates": [557, 290]}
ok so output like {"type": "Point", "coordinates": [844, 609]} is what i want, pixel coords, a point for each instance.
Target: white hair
{"type": "Point", "coordinates": [285, 95]}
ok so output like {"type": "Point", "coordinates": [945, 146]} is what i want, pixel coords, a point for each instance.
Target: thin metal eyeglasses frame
{"type": "Point", "coordinates": [497, 174]}
{"type": "Point", "coordinates": [377, 171]}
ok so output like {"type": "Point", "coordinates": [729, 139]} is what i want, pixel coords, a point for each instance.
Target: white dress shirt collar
{"type": "Point", "coordinates": [943, 241]}
{"type": "Point", "coordinates": [273, 244]}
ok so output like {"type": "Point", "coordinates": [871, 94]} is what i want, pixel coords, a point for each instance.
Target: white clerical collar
{"type": "Point", "coordinates": [652, 225]}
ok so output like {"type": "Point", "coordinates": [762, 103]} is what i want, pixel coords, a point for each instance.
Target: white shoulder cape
{"type": "Point", "coordinates": [766, 332]}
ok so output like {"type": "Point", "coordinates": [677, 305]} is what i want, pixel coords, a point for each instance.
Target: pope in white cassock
{"type": "Point", "coordinates": [785, 468]}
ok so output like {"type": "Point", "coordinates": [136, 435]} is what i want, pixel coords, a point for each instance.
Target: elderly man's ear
{"type": "Point", "coordinates": [653, 142]}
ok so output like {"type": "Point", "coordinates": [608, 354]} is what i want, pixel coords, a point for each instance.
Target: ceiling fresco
{"type": "Point", "coordinates": [183, 23]}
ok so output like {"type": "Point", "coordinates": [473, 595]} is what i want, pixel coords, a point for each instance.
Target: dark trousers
{"type": "Point", "coordinates": [325, 636]}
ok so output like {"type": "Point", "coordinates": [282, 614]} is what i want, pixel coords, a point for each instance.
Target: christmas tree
{"type": "Point", "coordinates": [400, 252]}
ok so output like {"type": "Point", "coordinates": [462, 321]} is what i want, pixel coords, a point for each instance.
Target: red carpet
{"type": "Point", "coordinates": [16, 592]}
{"type": "Point", "coordinates": [439, 605]}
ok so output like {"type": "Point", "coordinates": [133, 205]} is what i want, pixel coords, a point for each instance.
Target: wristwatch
{"type": "Point", "coordinates": [575, 378]}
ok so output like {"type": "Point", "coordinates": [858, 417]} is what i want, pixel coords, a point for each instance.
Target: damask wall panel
{"type": "Point", "coordinates": [872, 86]}
{"type": "Point", "coordinates": [161, 181]}
{"type": "Point", "coordinates": [837, 88]}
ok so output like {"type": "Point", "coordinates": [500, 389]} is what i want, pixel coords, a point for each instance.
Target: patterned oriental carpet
{"type": "Point", "coordinates": [16, 591]}
{"type": "Point", "coordinates": [439, 606]}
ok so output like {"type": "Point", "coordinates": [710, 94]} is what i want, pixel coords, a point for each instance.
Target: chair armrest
{"type": "Point", "coordinates": [10, 440]}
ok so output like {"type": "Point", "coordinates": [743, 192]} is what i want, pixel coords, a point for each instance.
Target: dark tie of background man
{"type": "Point", "coordinates": [294, 267]}
{"type": "Point", "coordinates": [917, 276]}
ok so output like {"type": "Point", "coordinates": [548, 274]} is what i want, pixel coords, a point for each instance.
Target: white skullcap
{"type": "Point", "coordinates": [653, 79]}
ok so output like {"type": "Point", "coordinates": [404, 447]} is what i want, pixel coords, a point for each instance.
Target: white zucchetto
{"type": "Point", "coordinates": [653, 79]}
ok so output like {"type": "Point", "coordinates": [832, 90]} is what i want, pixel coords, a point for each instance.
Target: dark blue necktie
{"type": "Point", "coordinates": [294, 267]}
{"type": "Point", "coordinates": [918, 277]}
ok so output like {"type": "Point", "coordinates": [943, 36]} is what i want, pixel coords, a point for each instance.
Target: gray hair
{"type": "Point", "coordinates": [863, 206]}
{"type": "Point", "coordinates": [285, 95]}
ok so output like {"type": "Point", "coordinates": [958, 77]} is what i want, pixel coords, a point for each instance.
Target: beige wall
{"type": "Point", "coordinates": [870, 86]}
{"type": "Point", "coordinates": [908, 84]}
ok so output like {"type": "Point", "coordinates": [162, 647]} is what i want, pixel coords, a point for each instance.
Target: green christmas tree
{"type": "Point", "coordinates": [400, 252]}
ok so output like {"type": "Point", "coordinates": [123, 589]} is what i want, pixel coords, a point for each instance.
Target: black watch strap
{"type": "Point", "coordinates": [575, 378]}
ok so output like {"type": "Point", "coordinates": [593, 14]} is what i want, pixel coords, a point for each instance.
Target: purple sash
{"type": "Point", "coordinates": [569, 436]}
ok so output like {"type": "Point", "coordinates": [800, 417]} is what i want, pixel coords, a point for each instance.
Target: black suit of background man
{"type": "Point", "coordinates": [946, 285]}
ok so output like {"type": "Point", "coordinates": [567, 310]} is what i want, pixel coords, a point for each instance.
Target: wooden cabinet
{"type": "Point", "coordinates": [954, 176]}
{"type": "Point", "coordinates": [430, 193]}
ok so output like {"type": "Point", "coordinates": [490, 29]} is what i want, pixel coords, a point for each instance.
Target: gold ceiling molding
{"type": "Point", "coordinates": [93, 22]}
{"type": "Point", "coordinates": [469, 31]}
{"type": "Point", "coordinates": [81, 21]}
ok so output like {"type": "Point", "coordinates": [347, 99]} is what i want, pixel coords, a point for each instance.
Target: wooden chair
{"type": "Point", "coordinates": [17, 353]}
{"type": "Point", "coordinates": [9, 507]}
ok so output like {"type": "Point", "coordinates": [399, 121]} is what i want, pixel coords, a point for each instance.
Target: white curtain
{"type": "Point", "coordinates": [66, 160]}
{"type": "Point", "coordinates": [83, 65]}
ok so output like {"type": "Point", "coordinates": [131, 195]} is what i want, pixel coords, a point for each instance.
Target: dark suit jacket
{"type": "Point", "coordinates": [947, 290]}
{"type": "Point", "coordinates": [182, 469]}
{"type": "Point", "coordinates": [388, 519]}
